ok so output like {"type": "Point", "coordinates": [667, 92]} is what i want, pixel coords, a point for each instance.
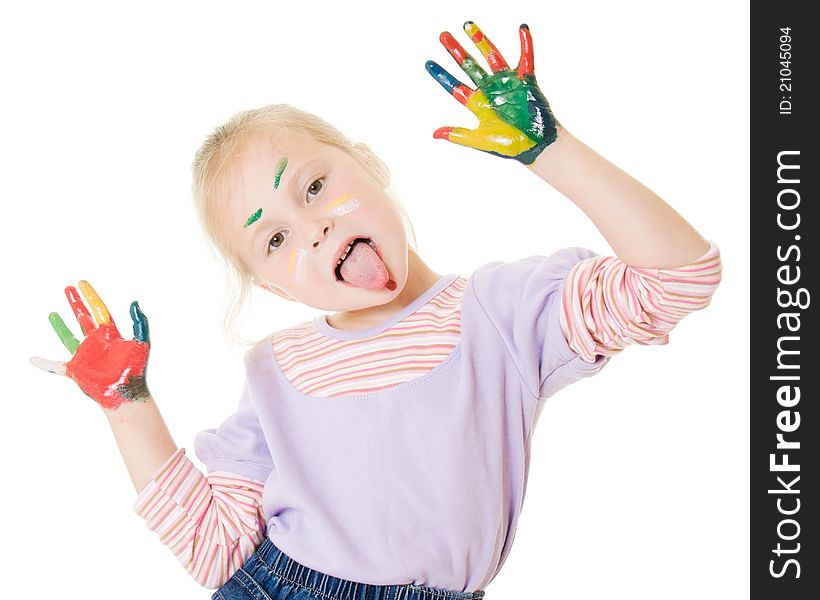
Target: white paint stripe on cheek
{"type": "Point", "coordinates": [345, 208]}
{"type": "Point", "coordinates": [301, 266]}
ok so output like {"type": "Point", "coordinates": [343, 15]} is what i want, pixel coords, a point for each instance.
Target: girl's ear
{"type": "Point", "coordinates": [373, 164]}
{"type": "Point", "coordinates": [272, 288]}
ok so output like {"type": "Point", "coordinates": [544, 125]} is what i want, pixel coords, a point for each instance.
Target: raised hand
{"type": "Point", "coordinates": [515, 120]}
{"type": "Point", "coordinates": [108, 368]}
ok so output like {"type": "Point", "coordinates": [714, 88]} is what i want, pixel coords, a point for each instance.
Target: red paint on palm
{"type": "Point", "coordinates": [108, 368]}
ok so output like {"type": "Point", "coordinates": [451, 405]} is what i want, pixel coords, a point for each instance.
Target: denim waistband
{"type": "Point", "coordinates": [330, 587]}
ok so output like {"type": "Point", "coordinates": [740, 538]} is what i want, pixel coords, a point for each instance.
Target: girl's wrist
{"type": "Point", "coordinates": [142, 437]}
{"type": "Point", "coordinates": [127, 407]}
{"type": "Point", "coordinates": [550, 152]}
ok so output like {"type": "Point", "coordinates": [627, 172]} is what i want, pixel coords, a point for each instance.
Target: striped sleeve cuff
{"type": "Point", "coordinates": [212, 524]}
{"type": "Point", "coordinates": [607, 305]}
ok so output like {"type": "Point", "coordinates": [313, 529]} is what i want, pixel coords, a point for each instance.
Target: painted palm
{"type": "Point", "coordinates": [108, 368]}
{"type": "Point", "coordinates": [515, 120]}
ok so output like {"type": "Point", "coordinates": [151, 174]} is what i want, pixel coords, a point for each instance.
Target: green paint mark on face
{"type": "Point", "coordinates": [253, 218]}
{"type": "Point", "coordinates": [280, 168]}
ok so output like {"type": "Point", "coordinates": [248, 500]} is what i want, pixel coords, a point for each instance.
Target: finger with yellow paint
{"type": "Point", "coordinates": [487, 48]}
{"type": "Point", "coordinates": [98, 307]}
{"type": "Point", "coordinates": [515, 120]}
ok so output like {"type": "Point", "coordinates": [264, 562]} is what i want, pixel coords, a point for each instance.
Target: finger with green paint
{"type": "Point", "coordinates": [515, 120]}
{"type": "Point", "coordinates": [108, 368]}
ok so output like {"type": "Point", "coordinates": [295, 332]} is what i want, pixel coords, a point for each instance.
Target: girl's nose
{"type": "Point", "coordinates": [320, 233]}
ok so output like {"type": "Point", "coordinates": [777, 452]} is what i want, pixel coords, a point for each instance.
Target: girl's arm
{"type": "Point", "coordinates": [516, 122]}
{"type": "Point", "coordinates": [211, 524]}
{"type": "Point", "coordinates": [142, 438]}
{"type": "Point", "coordinates": [664, 270]}
{"type": "Point", "coordinates": [643, 230]}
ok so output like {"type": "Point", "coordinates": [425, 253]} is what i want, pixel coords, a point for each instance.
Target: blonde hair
{"type": "Point", "coordinates": [213, 172]}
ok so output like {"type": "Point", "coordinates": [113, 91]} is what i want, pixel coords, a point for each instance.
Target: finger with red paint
{"type": "Point", "coordinates": [106, 367]}
{"type": "Point", "coordinates": [467, 63]}
{"type": "Point", "coordinates": [80, 311]}
{"type": "Point", "coordinates": [515, 120]}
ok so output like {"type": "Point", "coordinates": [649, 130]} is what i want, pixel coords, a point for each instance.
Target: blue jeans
{"type": "Point", "coordinates": [270, 574]}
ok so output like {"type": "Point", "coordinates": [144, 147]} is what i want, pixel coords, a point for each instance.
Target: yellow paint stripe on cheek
{"type": "Point", "coordinates": [340, 200]}
{"type": "Point", "coordinates": [348, 207]}
{"type": "Point", "coordinates": [291, 261]}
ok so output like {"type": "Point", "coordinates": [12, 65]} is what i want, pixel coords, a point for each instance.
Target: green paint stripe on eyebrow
{"type": "Point", "coordinates": [253, 218]}
{"type": "Point", "coordinates": [280, 168]}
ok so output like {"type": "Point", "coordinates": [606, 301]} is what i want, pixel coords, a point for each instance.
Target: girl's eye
{"type": "Point", "coordinates": [313, 189]}
{"type": "Point", "coordinates": [277, 240]}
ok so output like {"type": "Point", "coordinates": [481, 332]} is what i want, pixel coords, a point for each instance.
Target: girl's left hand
{"type": "Point", "coordinates": [106, 367]}
{"type": "Point", "coordinates": [515, 120]}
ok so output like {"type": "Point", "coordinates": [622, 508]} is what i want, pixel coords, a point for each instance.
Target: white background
{"type": "Point", "coordinates": [639, 476]}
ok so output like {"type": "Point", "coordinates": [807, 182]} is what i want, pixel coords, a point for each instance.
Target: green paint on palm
{"type": "Point", "coordinates": [508, 96]}
{"type": "Point", "coordinates": [280, 168]}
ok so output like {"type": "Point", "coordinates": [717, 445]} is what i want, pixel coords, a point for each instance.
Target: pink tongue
{"type": "Point", "coordinates": [363, 268]}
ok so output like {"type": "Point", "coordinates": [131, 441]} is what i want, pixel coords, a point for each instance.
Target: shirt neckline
{"type": "Point", "coordinates": [326, 328]}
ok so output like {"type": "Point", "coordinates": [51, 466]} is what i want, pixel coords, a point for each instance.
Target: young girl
{"type": "Point", "coordinates": [382, 451]}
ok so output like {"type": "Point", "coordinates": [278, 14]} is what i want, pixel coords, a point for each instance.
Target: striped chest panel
{"type": "Point", "coordinates": [322, 366]}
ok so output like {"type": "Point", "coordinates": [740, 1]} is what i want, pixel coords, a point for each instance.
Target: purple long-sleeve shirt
{"type": "Point", "coordinates": [422, 482]}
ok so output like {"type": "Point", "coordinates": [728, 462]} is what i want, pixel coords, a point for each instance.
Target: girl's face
{"type": "Point", "coordinates": [292, 211]}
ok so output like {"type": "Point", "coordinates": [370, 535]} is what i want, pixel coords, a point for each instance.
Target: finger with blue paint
{"type": "Point", "coordinates": [515, 120]}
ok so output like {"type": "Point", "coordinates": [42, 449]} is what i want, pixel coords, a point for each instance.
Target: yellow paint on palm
{"type": "Point", "coordinates": [291, 261]}
{"type": "Point", "coordinates": [96, 305]}
{"type": "Point", "coordinates": [494, 134]}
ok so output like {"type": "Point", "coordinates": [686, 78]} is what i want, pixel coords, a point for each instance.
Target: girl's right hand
{"type": "Point", "coordinates": [514, 118]}
{"type": "Point", "coordinates": [108, 368]}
